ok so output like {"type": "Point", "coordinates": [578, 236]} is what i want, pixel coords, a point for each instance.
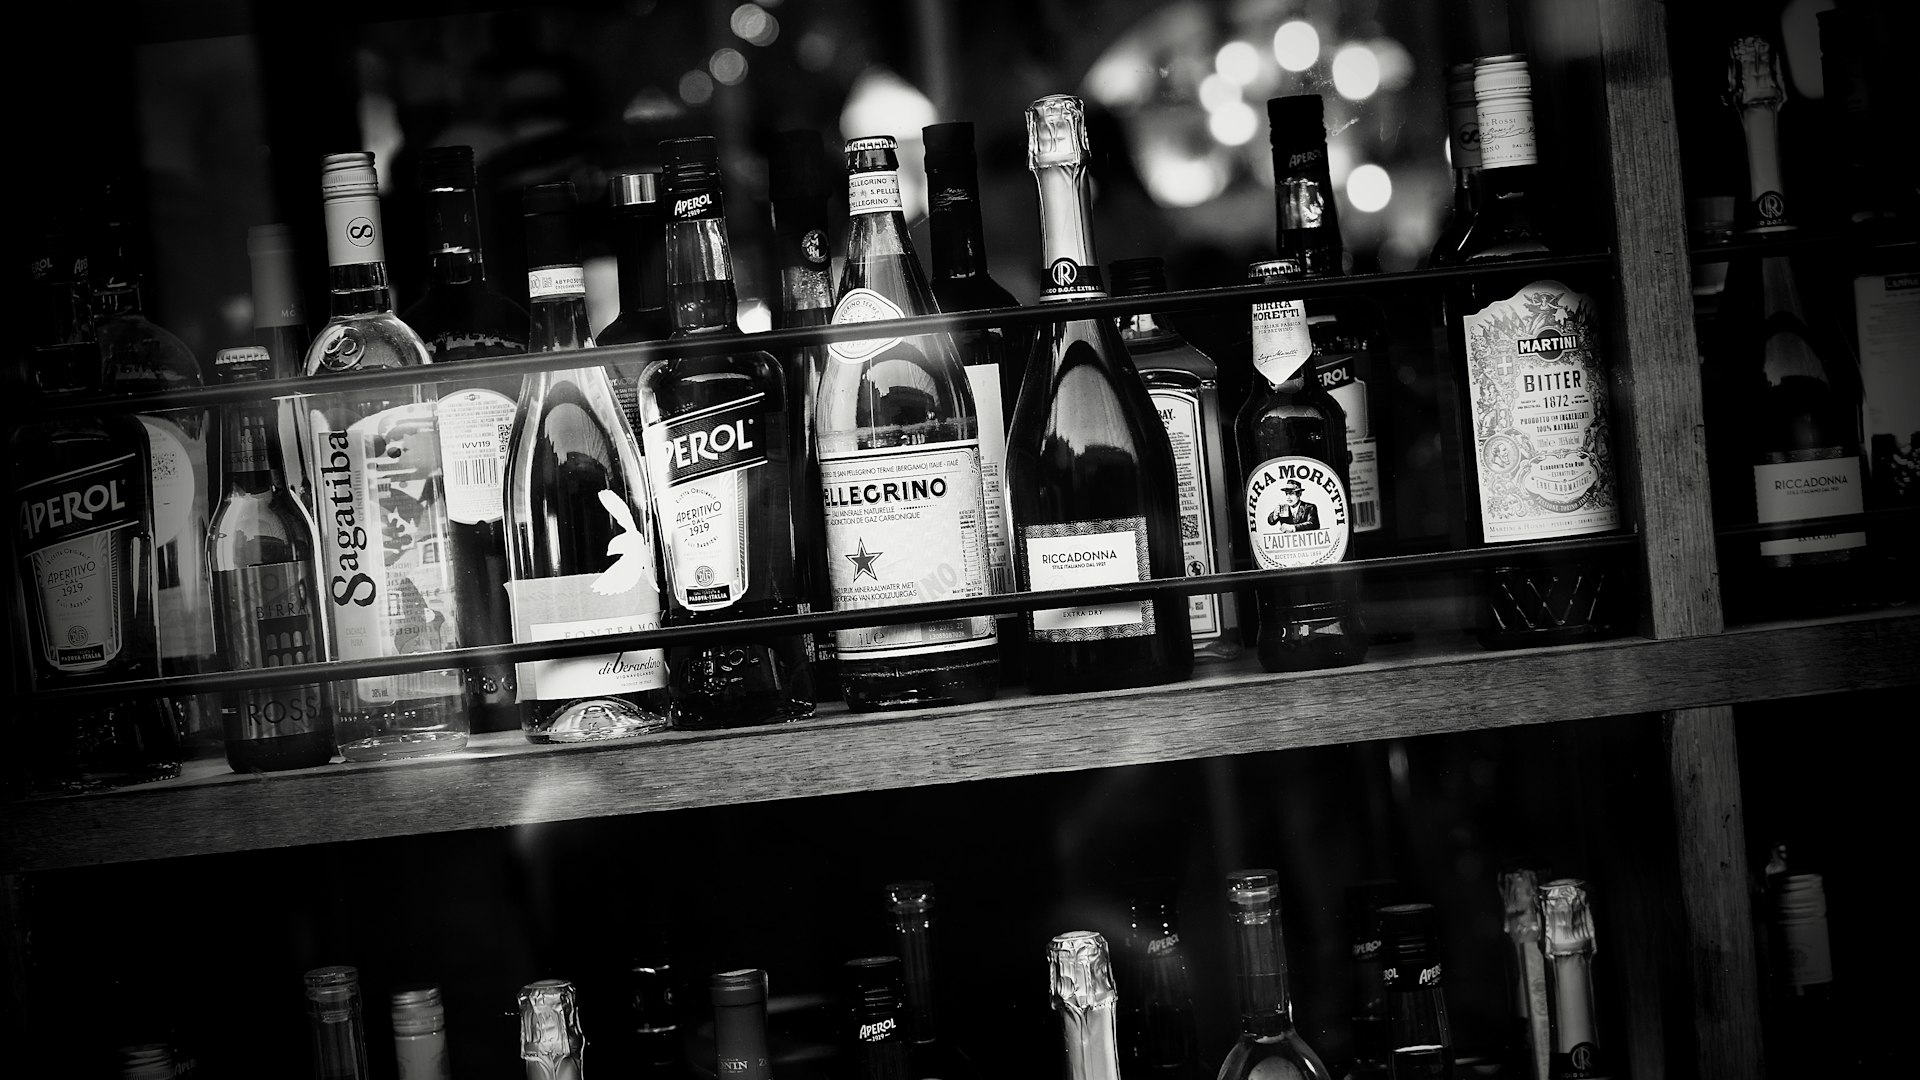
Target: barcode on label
{"type": "Point", "coordinates": [482, 471]}
{"type": "Point", "coordinates": [1364, 515]}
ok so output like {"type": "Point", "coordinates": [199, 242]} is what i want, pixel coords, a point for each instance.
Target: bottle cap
{"type": "Point", "coordinates": [1079, 971]}
{"type": "Point", "coordinates": [1407, 932]}
{"type": "Point", "coordinates": [1296, 118]}
{"type": "Point", "coordinates": [552, 233]}
{"type": "Point", "coordinates": [634, 189]}
{"type": "Point", "coordinates": [1501, 77]}
{"type": "Point", "coordinates": [910, 897]}
{"type": "Point", "coordinates": [1800, 896]}
{"type": "Point", "coordinates": [1566, 918]}
{"type": "Point", "coordinates": [1271, 269]}
{"type": "Point", "coordinates": [798, 169]}
{"type": "Point", "coordinates": [555, 198]}
{"type": "Point", "coordinates": [690, 163]}
{"type": "Point", "coordinates": [245, 354]}
{"type": "Point", "coordinates": [875, 153]}
{"type": "Point", "coordinates": [1057, 132]}
{"type": "Point", "coordinates": [1136, 277]}
{"type": "Point", "coordinates": [1253, 888]}
{"type": "Point", "coordinates": [874, 990]}
{"type": "Point", "coordinates": [417, 1010]}
{"type": "Point", "coordinates": [447, 168]}
{"type": "Point", "coordinates": [1520, 900]}
{"type": "Point", "coordinates": [871, 142]}
{"type": "Point", "coordinates": [549, 1021]}
{"type": "Point", "coordinates": [1460, 83]}
{"type": "Point", "coordinates": [747, 986]}
{"type": "Point", "coordinates": [348, 176]}
{"type": "Point", "coordinates": [1753, 74]}
{"type": "Point", "coordinates": [949, 145]}
{"type": "Point", "coordinates": [262, 239]}
{"type": "Point", "coordinates": [333, 992]}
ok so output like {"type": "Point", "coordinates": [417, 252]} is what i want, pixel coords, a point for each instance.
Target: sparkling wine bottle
{"type": "Point", "coordinates": [1269, 1044]}
{"type": "Point", "coordinates": [552, 1045]}
{"type": "Point", "coordinates": [1527, 1046]}
{"type": "Point", "coordinates": [1567, 940]}
{"type": "Point", "coordinates": [740, 1024]}
{"type": "Point", "coordinates": [1419, 1038]}
{"type": "Point", "coordinates": [1080, 983]}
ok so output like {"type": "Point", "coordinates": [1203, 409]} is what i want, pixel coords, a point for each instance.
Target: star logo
{"type": "Point", "coordinates": [862, 561]}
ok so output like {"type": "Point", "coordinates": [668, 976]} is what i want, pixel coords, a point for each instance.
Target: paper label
{"type": "Point", "coordinates": [476, 430]}
{"type": "Point", "coordinates": [1537, 383]}
{"type": "Point", "coordinates": [556, 281]}
{"type": "Point", "coordinates": [588, 605]}
{"type": "Point", "coordinates": [699, 464]}
{"type": "Point", "coordinates": [1809, 951]}
{"type": "Point", "coordinates": [75, 528]}
{"type": "Point", "coordinates": [1465, 131]}
{"type": "Point", "coordinates": [269, 615]}
{"type": "Point", "coordinates": [873, 192]}
{"type": "Point", "coordinates": [1363, 466]}
{"type": "Point", "coordinates": [179, 492]}
{"type": "Point", "coordinates": [906, 527]}
{"type": "Point", "coordinates": [1819, 483]}
{"type": "Point", "coordinates": [1180, 414]}
{"type": "Point", "coordinates": [1082, 554]}
{"type": "Point", "coordinates": [990, 411]}
{"type": "Point", "coordinates": [1506, 133]}
{"type": "Point", "coordinates": [1297, 513]}
{"type": "Point", "coordinates": [1281, 343]}
{"type": "Point", "coordinates": [862, 305]}
{"type": "Point", "coordinates": [353, 231]}
{"type": "Point", "coordinates": [1887, 316]}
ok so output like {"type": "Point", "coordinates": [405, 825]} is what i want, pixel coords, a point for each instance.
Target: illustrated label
{"type": "Point", "coordinates": [990, 411]}
{"type": "Point", "coordinates": [1363, 467]}
{"type": "Point", "coordinates": [564, 608]}
{"type": "Point", "coordinates": [1079, 554]}
{"type": "Point", "coordinates": [77, 529]}
{"type": "Point", "coordinates": [1180, 414]}
{"type": "Point", "coordinates": [476, 429]}
{"type": "Point", "coordinates": [1297, 513]}
{"type": "Point", "coordinates": [179, 492]}
{"type": "Point", "coordinates": [269, 615]}
{"type": "Point", "coordinates": [700, 463]}
{"type": "Point", "coordinates": [1537, 384]}
{"type": "Point", "coordinates": [556, 281]}
{"type": "Point", "coordinates": [873, 192]}
{"type": "Point", "coordinates": [906, 527]}
{"type": "Point", "coordinates": [862, 305]}
{"type": "Point", "coordinates": [1814, 483]}
{"type": "Point", "coordinates": [1281, 342]}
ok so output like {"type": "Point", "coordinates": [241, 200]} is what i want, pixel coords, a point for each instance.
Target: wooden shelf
{"type": "Point", "coordinates": [1408, 691]}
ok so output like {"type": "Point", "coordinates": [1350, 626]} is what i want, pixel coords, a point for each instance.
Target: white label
{"type": "Point", "coordinates": [873, 192]}
{"type": "Point", "coordinates": [1363, 469]}
{"type": "Point", "coordinates": [181, 598]}
{"type": "Point", "coordinates": [858, 306]}
{"type": "Point", "coordinates": [1887, 314]}
{"type": "Point", "coordinates": [78, 583]}
{"type": "Point", "coordinates": [1809, 951]}
{"type": "Point", "coordinates": [476, 429]}
{"type": "Point", "coordinates": [1538, 387]}
{"type": "Point", "coordinates": [1297, 513]}
{"type": "Point", "coordinates": [1506, 133]}
{"type": "Point", "coordinates": [173, 479]}
{"type": "Point", "coordinates": [579, 606]}
{"type": "Point", "coordinates": [555, 281]}
{"type": "Point", "coordinates": [1180, 415]}
{"type": "Point", "coordinates": [1821, 487]}
{"type": "Point", "coordinates": [984, 379]}
{"type": "Point", "coordinates": [353, 231]}
{"type": "Point", "coordinates": [1082, 554]}
{"type": "Point", "coordinates": [1281, 343]}
{"type": "Point", "coordinates": [906, 527]}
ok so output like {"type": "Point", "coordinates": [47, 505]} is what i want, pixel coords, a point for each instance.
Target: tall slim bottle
{"type": "Point", "coordinates": [581, 553]}
{"type": "Point", "coordinates": [384, 559]}
{"type": "Point", "coordinates": [1080, 984]}
{"type": "Point", "coordinates": [339, 1035]}
{"type": "Point", "coordinates": [1527, 1046]}
{"type": "Point", "coordinates": [462, 317]}
{"type": "Point", "coordinates": [260, 548]}
{"type": "Point", "coordinates": [659, 1049]}
{"type": "Point", "coordinates": [1531, 362]}
{"type": "Point", "coordinates": [1368, 1017]}
{"type": "Point", "coordinates": [1158, 1033]}
{"type": "Point", "coordinates": [1567, 940]}
{"type": "Point", "coordinates": [911, 904]}
{"type": "Point", "coordinates": [1803, 1027]}
{"type": "Point", "coordinates": [1269, 1044]}
{"type": "Point", "coordinates": [1419, 1038]}
{"type": "Point", "coordinates": [420, 1034]}
{"type": "Point", "coordinates": [1184, 385]}
{"type": "Point", "coordinates": [723, 475]}
{"type": "Point", "coordinates": [1090, 473]}
{"type": "Point", "coordinates": [900, 469]}
{"type": "Point", "coordinates": [740, 1024]}
{"type": "Point", "coordinates": [280, 327]}
{"type": "Point", "coordinates": [875, 1040]}
{"type": "Point", "coordinates": [639, 238]}
{"type": "Point", "coordinates": [1463, 153]}
{"type": "Point", "coordinates": [552, 1045]}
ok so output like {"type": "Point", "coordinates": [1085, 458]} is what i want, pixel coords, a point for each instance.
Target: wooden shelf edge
{"type": "Point", "coordinates": [502, 781]}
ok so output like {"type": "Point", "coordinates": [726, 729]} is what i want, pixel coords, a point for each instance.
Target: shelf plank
{"type": "Point", "coordinates": [501, 781]}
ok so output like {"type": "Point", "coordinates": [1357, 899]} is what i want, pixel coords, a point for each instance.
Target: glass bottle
{"type": "Point", "coordinates": [1090, 473]}
{"type": "Point", "coordinates": [798, 185]}
{"type": "Point", "coordinates": [551, 1043]}
{"type": "Point", "coordinates": [1292, 438]}
{"type": "Point", "coordinates": [581, 551]}
{"type": "Point", "coordinates": [59, 306]}
{"type": "Point", "coordinates": [1463, 153]}
{"type": "Point", "coordinates": [1802, 1031]}
{"type": "Point", "coordinates": [723, 474]}
{"type": "Point", "coordinates": [1419, 1040]}
{"type": "Point", "coordinates": [639, 238]}
{"type": "Point", "coordinates": [420, 1034]}
{"type": "Point", "coordinates": [900, 469]}
{"type": "Point", "coordinates": [1567, 940]}
{"type": "Point", "coordinates": [147, 1061]}
{"type": "Point", "coordinates": [1526, 973]}
{"type": "Point", "coordinates": [1368, 1019]}
{"type": "Point", "coordinates": [1530, 359]}
{"type": "Point", "coordinates": [384, 558]}
{"type": "Point", "coordinates": [339, 1033]}
{"type": "Point", "coordinates": [1184, 385]}
{"type": "Point", "coordinates": [875, 1041]}
{"type": "Point", "coordinates": [1269, 1044]}
{"type": "Point", "coordinates": [911, 904]}
{"type": "Point", "coordinates": [280, 327]}
{"type": "Point", "coordinates": [1158, 1035]}
{"type": "Point", "coordinates": [260, 548]}
{"type": "Point", "coordinates": [462, 317]}
{"type": "Point", "coordinates": [740, 1024]}
{"type": "Point", "coordinates": [659, 1050]}
{"type": "Point", "coordinates": [1080, 984]}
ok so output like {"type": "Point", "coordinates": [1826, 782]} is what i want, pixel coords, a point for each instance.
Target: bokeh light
{"type": "Point", "coordinates": [1369, 188]}
{"type": "Point", "coordinates": [752, 24]}
{"type": "Point", "coordinates": [1238, 61]}
{"type": "Point", "coordinates": [696, 88]}
{"type": "Point", "coordinates": [728, 65]}
{"type": "Point", "coordinates": [1179, 181]}
{"type": "Point", "coordinates": [1356, 72]}
{"type": "Point", "coordinates": [1296, 45]}
{"type": "Point", "coordinates": [1218, 91]}
{"type": "Point", "coordinates": [1234, 124]}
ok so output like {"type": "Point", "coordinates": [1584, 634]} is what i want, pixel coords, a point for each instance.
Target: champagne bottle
{"type": "Point", "coordinates": [420, 1034]}
{"type": "Point", "coordinates": [552, 1045]}
{"type": "Point", "coordinates": [582, 546]}
{"type": "Point", "coordinates": [1528, 1045]}
{"type": "Point", "coordinates": [1080, 984]}
{"type": "Point", "coordinates": [1567, 939]}
{"type": "Point", "coordinates": [1419, 1038]}
{"type": "Point", "coordinates": [900, 469]}
{"type": "Point", "coordinates": [1269, 1044]}
{"type": "Point", "coordinates": [875, 1041]}
{"type": "Point", "coordinates": [740, 1024]}
{"type": "Point", "coordinates": [339, 1034]}
{"type": "Point", "coordinates": [1803, 1021]}
{"type": "Point", "coordinates": [1090, 472]}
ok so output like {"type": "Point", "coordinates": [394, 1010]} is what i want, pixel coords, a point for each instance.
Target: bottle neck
{"type": "Point", "coordinates": [740, 1038]}
{"type": "Point", "coordinates": [1066, 235]}
{"type": "Point", "coordinates": [1308, 212]}
{"type": "Point", "coordinates": [1570, 977]}
{"type": "Point", "coordinates": [356, 257]}
{"type": "Point", "coordinates": [358, 289]}
{"type": "Point", "coordinates": [1282, 345]}
{"type": "Point", "coordinates": [252, 451]}
{"type": "Point", "coordinates": [455, 245]}
{"type": "Point", "coordinates": [959, 238]}
{"type": "Point", "coordinates": [914, 936]}
{"type": "Point", "coordinates": [118, 297]}
{"type": "Point", "coordinates": [1090, 1035]}
{"type": "Point", "coordinates": [1266, 1009]}
{"type": "Point", "coordinates": [1142, 326]}
{"type": "Point", "coordinates": [700, 290]}
{"type": "Point", "coordinates": [876, 218]}
{"type": "Point", "coordinates": [1767, 207]}
{"type": "Point", "coordinates": [1466, 191]}
{"type": "Point", "coordinates": [640, 247]}
{"type": "Point", "coordinates": [276, 294]}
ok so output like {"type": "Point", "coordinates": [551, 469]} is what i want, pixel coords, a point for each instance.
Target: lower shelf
{"type": "Point", "coordinates": [1408, 690]}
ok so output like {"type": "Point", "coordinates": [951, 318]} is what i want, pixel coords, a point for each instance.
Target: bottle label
{"type": "Point", "coordinates": [906, 527]}
{"type": "Point", "coordinates": [1407, 977]}
{"type": "Point", "coordinates": [1806, 484]}
{"type": "Point", "coordinates": [1281, 343]}
{"type": "Point", "coordinates": [699, 465]}
{"type": "Point", "coordinates": [353, 231]}
{"type": "Point", "coordinates": [1887, 320]}
{"type": "Point", "coordinates": [1537, 384]}
{"type": "Point", "coordinates": [1506, 132]}
{"type": "Point", "coordinates": [873, 192]}
{"type": "Point", "coordinates": [383, 541]}
{"type": "Point", "coordinates": [1583, 1062]}
{"type": "Point", "coordinates": [622, 599]}
{"type": "Point", "coordinates": [876, 1031]}
{"type": "Point", "coordinates": [179, 493]}
{"type": "Point", "coordinates": [269, 615]}
{"type": "Point", "coordinates": [1180, 414]}
{"type": "Point", "coordinates": [556, 282]}
{"type": "Point", "coordinates": [1464, 143]}
{"type": "Point", "coordinates": [989, 410]}
{"type": "Point", "coordinates": [78, 529]}
{"type": "Point", "coordinates": [862, 305]}
{"type": "Point", "coordinates": [1297, 513]}
{"type": "Point", "coordinates": [1809, 951]}
{"type": "Point", "coordinates": [476, 430]}
{"type": "Point", "coordinates": [1363, 464]}
{"type": "Point", "coordinates": [697, 205]}
{"type": "Point", "coordinates": [1069, 279]}
{"type": "Point", "coordinates": [1081, 554]}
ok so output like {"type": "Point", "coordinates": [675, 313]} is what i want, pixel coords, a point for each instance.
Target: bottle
{"type": "Point", "coordinates": [1292, 438]}
{"type": "Point", "coordinates": [798, 186]}
{"type": "Point", "coordinates": [384, 553]}
{"type": "Point", "coordinates": [551, 1044]}
{"type": "Point", "coordinates": [1269, 1044]}
{"type": "Point", "coordinates": [1184, 385]}
{"type": "Point", "coordinates": [875, 1040]}
{"type": "Point", "coordinates": [911, 904]}
{"type": "Point", "coordinates": [1419, 1040]}
{"type": "Point", "coordinates": [280, 327]}
{"type": "Point", "coordinates": [1528, 1045]}
{"type": "Point", "coordinates": [640, 249]}
{"type": "Point", "coordinates": [1080, 984]}
{"type": "Point", "coordinates": [59, 308]}
{"type": "Point", "coordinates": [1090, 473]}
{"type": "Point", "coordinates": [1368, 1020]}
{"type": "Point", "coordinates": [658, 1047]}
{"type": "Point", "coordinates": [900, 469]}
{"type": "Point", "coordinates": [260, 548]}
{"type": "Point", "coordinates": [1567, 940]}
{"type": "Point", "coordinates": [420, 1034]}
{"type": "Point", "coordinates": [723, 474]}
{"type": "Point", "coordinates": [339, 1033]}
{"type": "Point", "coordinates": [1790, 412]}
{"type": "Point", "coordinates": [961, 282]}
{"type": "Point", "coordinates": [1851, 56]}
{"type": "Point", "coordinates": [740, 1024]}
{"type": "Point", "coordinates": [1463, 153]}
{"type": "Point", "coordinates": [1529, 353]}
{"type": "Point", "coordinates": [581, 550]}
{"type": "Point", "coordinates": [1802, 1026]}
{"type": "Point", "coordinates": [461, 317]}
{"type": "Point", "coordinates": [147, 1061]}
{"type": "Point", "coordinates": [1158, 1034]}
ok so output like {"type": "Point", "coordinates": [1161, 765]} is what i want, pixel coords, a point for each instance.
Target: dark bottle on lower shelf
{"type": "Point", "coordinates": [1419, 1038]}
{"type": "Point", "coordinates": [931, 1057]}
{"type": "Point", "coordinates": [639, 238]}
{"type": "Point", "coordinates": [1159, 1037]}
{"type": "Point", "coordinates": [659, 1046]}
{"type": "Point", "coordinates": [740, 1025]}
{"type": "Point", "coordinates": [875, 1038]}
{"type": "Point", "coordinates": [1368, 1017]}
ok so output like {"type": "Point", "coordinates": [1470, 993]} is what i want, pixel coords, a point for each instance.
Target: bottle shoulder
{"type": "Point", "coordinates": [139, 354]}
{"type": "Point", "coordinates": [632, 327]}
{"type": "Point", "coordinates": [369, 340]}
{"type": "Point", "coordinates": [977, 292]}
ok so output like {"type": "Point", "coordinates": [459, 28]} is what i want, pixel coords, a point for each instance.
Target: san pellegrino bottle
{"type": "Point", "coordinates": [280, 327]}
{"type": "Point", "coordinates": [1184, 384]}
{"type": "Point", "coordinates": [1269, 1044]}
{"type": "Point", "coordinates": [1080, 984]}
{"type": "Point", "coordinates": [420, 1034]}
{"type": "Point", "coordinates": [900, 468]}
{"type": "Point", "coordinates": [911, 904]}
{"type": "Point", "coordinates": [552, 1045]}
{"type": "Point", "coordinates": [1528, 1045]}
{"type": "Point", "coordinates": [1368, 1018]}
{"type": "Point", "coordinates": [1463, 153]}
{"type": "Point", "coordinates": [581, 553]}
{"type": "Point", "coordinates": [1090, 473]}
{"type": "Point", "coordinates": [260, 548]}
{"type": "Point", "coordinates": [875, 1036]}
{"type": "Point", "coordinates": [339, 1034]}
{"type": "Point", "coordinates": [1419, 1038]}
{"type": "Point", "coordinates": [1567, 940]}
{"type": "Point", "coordinates": [385, 561]}
{"type": "Point", "coordinates": [740, 1024]}
{"type": "Point", "coordinates": [639, 238]}
{"type": "Point", "coordinates": [723, 472]}
{"type": "Point", "coordinates": [1158, 1033]}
